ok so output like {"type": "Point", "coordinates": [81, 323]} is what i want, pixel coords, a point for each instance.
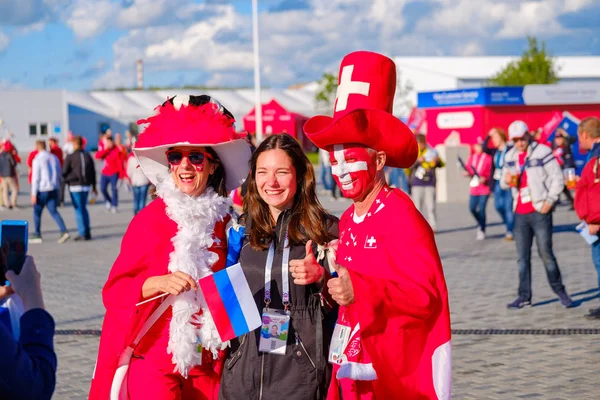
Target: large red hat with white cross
{"type": "Point", "coordinates": [363, 111]}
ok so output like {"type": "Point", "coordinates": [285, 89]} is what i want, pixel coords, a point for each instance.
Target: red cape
{"type": "Point", "coordinates": [145, 251]}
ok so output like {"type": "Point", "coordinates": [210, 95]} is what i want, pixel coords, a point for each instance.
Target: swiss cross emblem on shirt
{"type": "Point", "coordinates": [371, 242]}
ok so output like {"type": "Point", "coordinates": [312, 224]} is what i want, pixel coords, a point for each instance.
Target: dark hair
{"type": "Point", "coordinates": [217, 180]}
{"type": "Point", "coordinates": [79, 142]}
{"type": "Point", "coordinates": [308, 219]}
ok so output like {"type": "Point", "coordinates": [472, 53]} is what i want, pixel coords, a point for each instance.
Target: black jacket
{"type": "Point", "coordinates": [7, 164]}
{"type": "Point", "coordinates": [303, 373]}
{"type": "Point", "coordinates": [79, 169]}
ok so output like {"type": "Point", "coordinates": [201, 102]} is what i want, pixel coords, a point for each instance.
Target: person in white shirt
{"type": "Point", "coordinates": [139, 183]}
{"type": "Point", "coordinates": [45, 184]}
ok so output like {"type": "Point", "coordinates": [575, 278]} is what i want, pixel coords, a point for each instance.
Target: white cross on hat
{"type": "Point", "coordinates": [347, 87]}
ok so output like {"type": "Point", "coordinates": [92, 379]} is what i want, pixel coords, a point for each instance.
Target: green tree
{"type": "Point", "coordinates": [536, 66]}
{"type": "Point", "coordinates": [325, 96]}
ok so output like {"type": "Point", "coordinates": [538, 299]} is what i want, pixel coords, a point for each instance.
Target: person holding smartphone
{"type": "Point", "coordinates": [27, 366]}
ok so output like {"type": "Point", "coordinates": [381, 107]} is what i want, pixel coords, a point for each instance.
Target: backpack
{"type": "Point", "coordinates": [587, 193]}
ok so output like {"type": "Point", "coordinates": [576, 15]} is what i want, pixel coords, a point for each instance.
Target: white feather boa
{"type": "Point", "coordinates": [196, 218]}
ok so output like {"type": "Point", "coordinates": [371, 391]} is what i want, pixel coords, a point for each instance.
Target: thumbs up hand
{"type": "Point", "coordinates": [340, 288]}
{"type": "Point", "coordinates": [308, 270]}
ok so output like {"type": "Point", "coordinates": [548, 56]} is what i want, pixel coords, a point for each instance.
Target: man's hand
{"type": "Point", "coordinates": [593, 229]}
{"type": "Point", "coordinates": [340, 288]}
{"type": "Point", "coordinates": [546, 208]}
{"type": "Point", "coordinates": [508, 178]}
{"type": "Point", "coordinates": [307, 270]}
{"type": "Point", "coordinates": [33, 200]}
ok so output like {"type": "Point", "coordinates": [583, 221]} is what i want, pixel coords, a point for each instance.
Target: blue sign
{"type": "Point", "coordinates": [467, 97]}
{"type": "Point", "coordinates": [504, 96]}
{"type": "Point", "coordinates": [492, 96]}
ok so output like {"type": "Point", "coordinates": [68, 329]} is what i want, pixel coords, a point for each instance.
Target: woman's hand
{"type": "Point", "coordinates": [175, 283]}
{"type": "Point", "coordinates": [308, 270]}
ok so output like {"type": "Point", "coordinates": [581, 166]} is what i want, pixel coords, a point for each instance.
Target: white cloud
{"type": "Point", "coordinates": [4, 42]}
{"type": "Point", "coordinates": [299, 44]}
{"type": "Point", "coordinates": [472, 48]}
{"type": "Point", "coordinates": [88, 18]}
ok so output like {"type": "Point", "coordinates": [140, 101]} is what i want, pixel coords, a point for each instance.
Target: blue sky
{"type": "Point", "coordinates": [90, 44]}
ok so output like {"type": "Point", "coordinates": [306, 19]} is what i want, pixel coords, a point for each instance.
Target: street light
{"type": "Point", "coordinates": [257, 100]}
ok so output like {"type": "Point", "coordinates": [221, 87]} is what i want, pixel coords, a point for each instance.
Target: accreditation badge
{"type": "Point", "coordinates": [525, 194]}
{"type": "Point", "coordinates": [497, 174]}
{"type": "Point", "coordinates": [274, 331]}
{"type": "Point", "coordinates": [339, 341]}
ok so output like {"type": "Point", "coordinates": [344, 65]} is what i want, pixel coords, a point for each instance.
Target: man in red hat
{"type": "Point", "coordinates": [392, 339]}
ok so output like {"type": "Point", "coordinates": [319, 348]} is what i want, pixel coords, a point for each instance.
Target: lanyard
{"type": "Point", "coordinates": [500, 158]}
{"type": "Point", "coordinates": [522, 168]}
{"type": "Point", "coordinates": [479, 165]}
{"type": "Point", "coordinates": [285, 297]}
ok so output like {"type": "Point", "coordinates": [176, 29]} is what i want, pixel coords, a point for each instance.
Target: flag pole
{"type": "Point", "coordinates": [257, 100]}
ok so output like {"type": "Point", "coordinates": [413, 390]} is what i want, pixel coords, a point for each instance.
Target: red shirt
{"type": "Point", "coordinates": [113, 162]}
{"type": "Point", "coordinates": [30, 162]}
{"type": "Point", "coordinates": [523, 208]}
{"type": "Point", "coordinates": [57, 151]}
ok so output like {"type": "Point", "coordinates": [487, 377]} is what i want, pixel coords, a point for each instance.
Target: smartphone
{"type": "Point", "coordinates": [13, 241]}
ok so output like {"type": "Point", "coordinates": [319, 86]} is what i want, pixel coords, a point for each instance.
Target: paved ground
{"type": "Point", "coordinates": [481, 277]}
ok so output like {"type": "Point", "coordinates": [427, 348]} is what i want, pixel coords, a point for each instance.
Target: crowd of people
{"type": "Point", "coordinates": [352, 331]}
{"type": "Point", "coordinates": [53, 170]}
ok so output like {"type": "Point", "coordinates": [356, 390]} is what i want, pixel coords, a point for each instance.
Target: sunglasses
{"type": "Point", "coordinates": [196, 158]}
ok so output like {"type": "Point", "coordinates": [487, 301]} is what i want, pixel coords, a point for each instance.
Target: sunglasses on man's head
{"type": "Point", "coordinates": [195, 157]}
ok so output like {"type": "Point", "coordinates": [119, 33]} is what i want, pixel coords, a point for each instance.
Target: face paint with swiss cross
{"type": "Point", "coordinates": [353, 169]}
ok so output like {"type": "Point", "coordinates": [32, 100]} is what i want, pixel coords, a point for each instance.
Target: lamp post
{"type": "Point", "coordinates": [257, 101]}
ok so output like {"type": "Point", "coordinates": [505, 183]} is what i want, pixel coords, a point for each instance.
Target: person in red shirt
{"type": "Point", "coordinates": [479, 168]}
{"type": "Point", "coordinates": [536, 180]}
{"type": "Point", "coordinates": [57, 151]}
{"type": "Point", "coordinates": [169, 245]}
{"type": "Point", "coordinates": [30, 158]}
{"type": "Point", "coordinates": [112, 170]}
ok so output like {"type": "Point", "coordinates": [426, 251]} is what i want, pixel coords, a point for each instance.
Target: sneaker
{"type": "Point", "coordinates": [114, 210]}
{"type": "Point", "coordinates": [2, 208]}
{"type": "Point", "coordinates": [594, 314]}
{"type": "Point", "coordinates": [509, 237]}
{"type": "Point", "coordinates": [565, 300]}
{"type": "Point", "coordinates": [480, 234]}
{"type": "Point", "coordinates": [520, 302]}
{"type": "Point", "coordinates": [64, 237]}
{"type": "Point", "coordinates": [82, 238]}
{"type": "Point", "coordinates": [107, 205]}
{"type": "Point", "coordinates": [35, 239]}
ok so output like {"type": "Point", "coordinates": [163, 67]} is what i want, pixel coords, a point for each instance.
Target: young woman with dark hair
{"type": "Point", "coordinates": [284, 221]}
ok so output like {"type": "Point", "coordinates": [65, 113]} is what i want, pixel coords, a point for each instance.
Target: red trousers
{"type": "Point", "coordinates": [148, 380]}
{"type": "Point", "coordinates": [151, 376]}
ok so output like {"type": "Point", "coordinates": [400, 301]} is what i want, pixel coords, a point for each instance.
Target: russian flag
{"type": "Point", "coordinates": [230, 302]}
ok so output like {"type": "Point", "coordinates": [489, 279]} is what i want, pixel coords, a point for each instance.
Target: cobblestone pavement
{"type": "Point", "coordinates": [481, 276]}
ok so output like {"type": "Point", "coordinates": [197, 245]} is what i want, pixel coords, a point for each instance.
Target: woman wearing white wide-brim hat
{"type": "Point", "coordinates": [191, 152]}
